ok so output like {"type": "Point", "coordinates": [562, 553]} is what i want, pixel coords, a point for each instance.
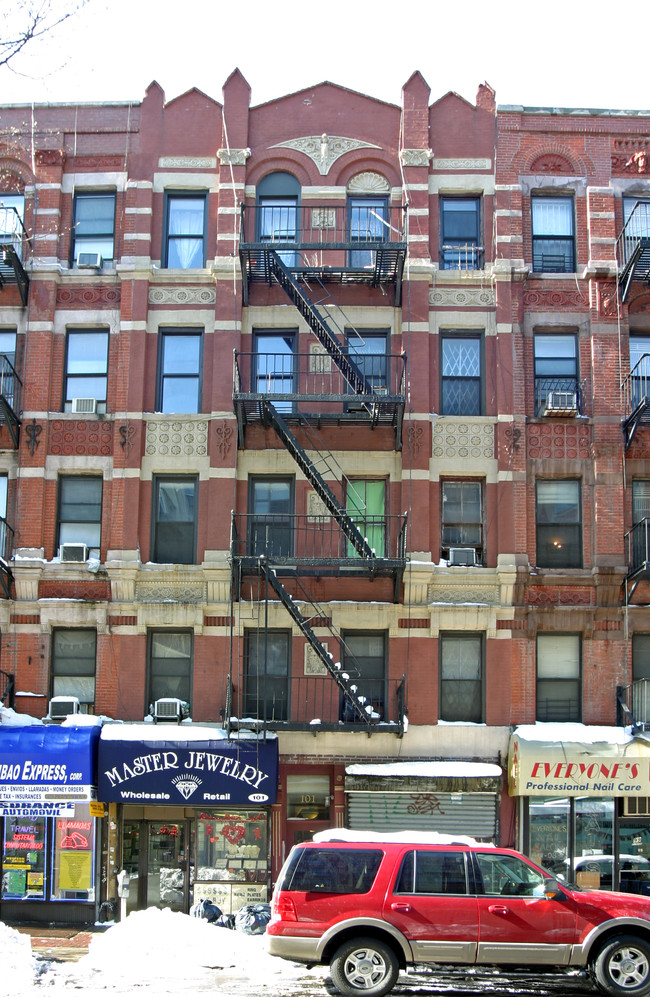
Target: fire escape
{"type": "Point", "coordinates": [300, 396]}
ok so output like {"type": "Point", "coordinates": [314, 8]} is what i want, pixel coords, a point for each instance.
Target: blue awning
{"type": "Point", "coordinates": [47, 764]}
{"type": "Point", "coordinates": [149, 765]}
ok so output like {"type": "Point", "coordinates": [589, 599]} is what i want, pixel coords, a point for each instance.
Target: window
{"type": "Point", "coordinates": [639, 536]}
{"type": "Point", "coordinates": [556, 373]}
{"type": "Point", "coordinates": [174, 520]}
{"type": "Point", "coordinates": [278, 195]}
{"type": "Point", "coordinates": [432, 872]}
{"type": "Point", "coordinates": [639, 369]}
{"type": "Point", "coordinates": [366, 506]}
{"type": "Point", "coordinates": [12, 213]}
{"type": "Point", "coordinates": [460, 225]}
{"type": "Point", "coordinates": [364, 659]}
{"type": "Point", "coordinates": [185, 231]}
{"type": "Point", "coordinates": [461, 374]}
{"type": "Point", "coordinates": [639, 226]}
{"type": "Point", "coordinates": [8, 367]}
{"type": "Point", "coordinates": [558, 678]}
{"type": "Point", "coordinates": [308, 797]}
{"type": "Point", "coordinates": [461, 677]}
{"type": "Point", "coordinates": [331, 870]}
{"type": "Point", "coordinates": [270, 522]}
{"type": "Point", "coordinates": [73, 666]}
{"type": "Point", "coordinates": [553, 241]}
{"type": "Point", "coordinates": [86, 378]}
{"type": "Point", "coordinates": [559, 524]}
{"type": "Point", "coordinates": [94, 226]}
{"type": "Point", "coordinates": [266, 679]}
{"type": "Point", "coordinates": [368, 218]}
{"type": "Point", "coordinates": [4, 531]}
{"type": "Point", "coordinates": [368, 349]}
{"type": "Point", "coordinates": [509, 876]}
{"type": "Point", "coordinates": [180, 366]}
{"type": "Point", "coordinates": [640, 657]}
{"type": "Point", "coordinates": [462, 517]}
{"type": "Point", "coordinates": [275, 366]}
{"type": "Point", "coordinates": [80, 511]}
{"type": "Point", "coordinates": [170, 666]}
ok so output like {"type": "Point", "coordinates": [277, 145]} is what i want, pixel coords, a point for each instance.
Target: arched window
{"type": "Point", "coordinates": [367, 216]}
{"type": "Point", "coordinates": [278, 195]}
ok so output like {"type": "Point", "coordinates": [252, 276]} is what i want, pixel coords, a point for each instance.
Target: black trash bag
{"type": "Point", "coordinates": [225, 921]}
{"type": "Point", "coordinates": [253, 918]}
{"type": "Point", "coordinates": [207, 910]}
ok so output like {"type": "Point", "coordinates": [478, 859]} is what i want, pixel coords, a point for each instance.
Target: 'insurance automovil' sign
{"type": "Point", "coordinates": [541, 768]}
{"type": "Point", "coordinates": [182, 771]}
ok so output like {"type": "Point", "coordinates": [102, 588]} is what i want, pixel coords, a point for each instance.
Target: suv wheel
{"type": "Point", "coordinates": [623, 966]}
{"type": "Point", "coordinates": [364, 964]}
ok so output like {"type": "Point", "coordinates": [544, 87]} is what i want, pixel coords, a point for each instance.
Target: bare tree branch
{"type": "Point", "coordinates": [26, 21]}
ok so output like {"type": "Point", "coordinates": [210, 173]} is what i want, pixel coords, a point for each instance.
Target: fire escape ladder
{"type": "Point", "coordinates": [360, 706]}
{"type": "Point", "coordinates": [319, 325]}
{"type": "Point", "coordinates": [347, 525]}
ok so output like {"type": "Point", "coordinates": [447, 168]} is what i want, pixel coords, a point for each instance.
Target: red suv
{"type": "Point", "coordinates": [372, 908]}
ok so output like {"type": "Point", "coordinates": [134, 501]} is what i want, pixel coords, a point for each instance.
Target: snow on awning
{"type": "Point", "coordinates": [164, 765]}
{"type": "Point", "coordinates": [576, 759]}
{"type": "Point", "coordinates": [424, 777]}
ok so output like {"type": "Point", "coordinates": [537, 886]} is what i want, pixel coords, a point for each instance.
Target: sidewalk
{"type": "Point", "coordinates": [64, 944]}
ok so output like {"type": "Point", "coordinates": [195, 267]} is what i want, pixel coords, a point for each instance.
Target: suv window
{"type": "Point", "coordinates": [432, 872]}
{"type": "Point", "coordinates": [507, 875]}
{"type": "Point", "coordinates": [331, 871]}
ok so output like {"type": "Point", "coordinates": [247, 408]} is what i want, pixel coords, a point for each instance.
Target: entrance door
{"type": "Point", "coordinates": [156, 857]}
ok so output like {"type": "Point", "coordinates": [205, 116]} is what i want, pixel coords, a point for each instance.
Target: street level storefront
{"type": "Point", "coordinates": [450, 797]}
{"type": "Point", "coordinates": [584, 802]}
{"type": "Point", "coordinates": [50, 839]}
{"type": "Point", "coordinates": [191, 812]}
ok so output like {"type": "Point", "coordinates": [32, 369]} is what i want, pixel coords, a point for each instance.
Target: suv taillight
{"type": "Point", "coordinates": [284, 908]}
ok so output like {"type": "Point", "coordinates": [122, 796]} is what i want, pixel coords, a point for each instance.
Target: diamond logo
{"type": "Point", "coordinates": [186, 785]}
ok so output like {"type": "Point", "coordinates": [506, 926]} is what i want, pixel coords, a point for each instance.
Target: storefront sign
{"type": "Point", "coordinates": [166, 768]}
{"type": "Point", "coordinates": [42, 765]}
{"type": "Point", "coordinates": [229, 897]}
{"type": "Point", "coordinates": [570, 768]}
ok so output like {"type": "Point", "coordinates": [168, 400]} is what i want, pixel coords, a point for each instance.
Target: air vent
{"type": "Point", "coordinates": [89, 261]}
{"type": "Point", "coordinates": [561, 403]}
{"type": "Point", "coordinates": [169, 710]}
{"type": "Point", "coordinates": [462, 555]}
{"type": "Point", "coordinates": [62, 707]}
{"type": "Point", "coordinates": [81, 405]}
{"type": "Point", "coordinates": [73, 552]}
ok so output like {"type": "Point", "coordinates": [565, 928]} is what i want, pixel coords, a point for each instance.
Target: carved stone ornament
{"type": "Point", "coordinates": [225, 435]}
{"type": "Point", "coordinates": [313, 664]}
{"type": "Point", "coordinates": [548, 300]}
{"type": "Point", "coordinates": [233, 157]}
{"type": "Point", "coordinates": [81, 437]}
{"type": "Point", "coordinates": [561, 441]}
{"type": "Point", "coordinates": [177, 438]}
{"type": "Point", "coordinates": [159, 591]}
{"type": "Point", "coordinates": [416, 157]}
{"type": "Point", "coordinates": [450, 165]}
{"type": "Point", "coordinates": [324, 150]}
{"type": "Point", "coordinates": [463, 297]}
{"type": "Point", "coordinates": [415, 438]}
{"type": "Point", "coordinates": [368, 183]}
{"type": "Point", "coordinates": [552, 163]}
{"type": "Point", "coordinates": [187, 163]}
{"type": "Point", "coordinates": [462, 440]}
{"type": "Point", "coordinates": [82, 296]}
{"type": "Point", "coordinates": [182, 295]}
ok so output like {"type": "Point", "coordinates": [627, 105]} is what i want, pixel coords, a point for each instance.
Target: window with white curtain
{"type": "Point", "coordinates": [73, 666]}
{"type": "Point", "coordinates": [185, 231]}
{"type": "Point", "coordinates": [558, 678]}
{"type": "Point", "coordinates": [553, 234]}
{"type": "Point", "coordinates": [461, 677]}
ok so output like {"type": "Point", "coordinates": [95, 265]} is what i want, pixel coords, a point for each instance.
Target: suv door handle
{"type": "Point", "coordinates": [498, 909]}
{"type": "Point", "coordinates": [403, 907]}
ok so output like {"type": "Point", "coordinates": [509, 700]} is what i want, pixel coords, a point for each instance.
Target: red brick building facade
{"type": "Point", "coordinates": [319, 431]}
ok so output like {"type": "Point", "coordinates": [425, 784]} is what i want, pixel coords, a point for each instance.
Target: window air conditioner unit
{"type": "Point", "coordinates": [561, 403]}
{"type": "Point", "coordinates": [169, 710]}
{"type": "Point", "coordinates": [73, 552]}
{"type": "Point", "coordinates": [462, 555]}
{"type": "Point", "coordinates": [89, 261]}
{"type": "Point", "coordinates": [87, 405]}
{"type": "Point", "coordinates": [61, 707]}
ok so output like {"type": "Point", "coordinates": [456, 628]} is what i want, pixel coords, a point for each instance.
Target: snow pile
{"type": "Point", "coordinates": [401, 837]}
{"type": "Point", "coordinates": [16, 959]}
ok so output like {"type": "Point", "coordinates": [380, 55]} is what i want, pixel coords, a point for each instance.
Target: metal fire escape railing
{"type": "Point", "coordinates": [635, 392]}
{"type": "Point", "coordinates": [633, 705]}
{"type": "Point", "coordinates": [10, 390]}
{"type": "Point", "coordinates": [637, 545]}
{"type": "Point", "coordinates": [13, 247]}
{"type": "Point", "coordinates": [633, 249]}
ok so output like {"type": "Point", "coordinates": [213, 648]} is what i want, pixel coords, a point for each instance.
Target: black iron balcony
{"type": "Point", "coordinates": [557, 396]}
{"type": "Point", "coordinates": [324, 242]}
{"type": "Point", "coordinates": [633, 704]}
{"type": "Point", "coordinates": [311, 386]}
{"type": "Point", "coordinates": [10, 388]}
{"type": "Point", "coordinates": [633, 249]}
{"type": "Point", "coordinates": [636, 398]}
{"type": "Point", "coordinates": [313, 703]}
{"type": "Point", "coordinates": [13, 250]}
{"type": "Point", "coordinates": [461, 256]}
{"type": "Point", "coordinates": [6, 553]}
{"type": "Point", "coordinates": [637, 545]}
